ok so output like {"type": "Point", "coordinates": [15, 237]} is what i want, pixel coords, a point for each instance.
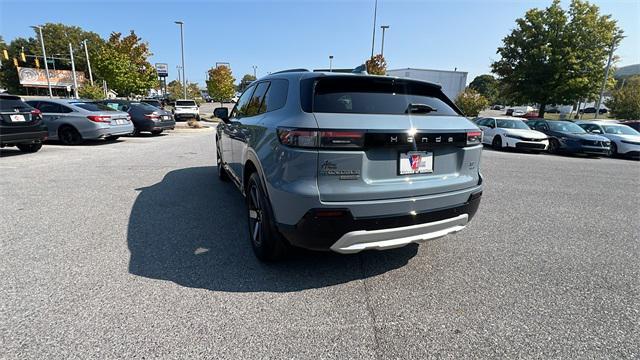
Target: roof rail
{"type": "Point", "coordinates": [290, 70]}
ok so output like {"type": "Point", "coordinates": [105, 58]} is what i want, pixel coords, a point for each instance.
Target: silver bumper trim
{"type": "Point", "coordinates": [356, 241]}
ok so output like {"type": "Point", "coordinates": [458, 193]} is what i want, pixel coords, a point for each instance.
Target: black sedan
{"type": "Point", "coordinates": [145, 117]}
{"type": "Point", "coordinates": [565, 136]}
{"type": "Point", "coordinates": [20, 124]}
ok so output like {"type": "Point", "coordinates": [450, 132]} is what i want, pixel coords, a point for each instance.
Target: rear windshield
{"type": "Point", "coordinates": [373, 95]}
{"type": "Point", "coordinates": [12, 103]}
{"type": "Point", "coordinates": [185, 103]}
{"type": "Point", "coordinates": [92, 106]}
{"type": "Point", "coordinates": [144, 106]}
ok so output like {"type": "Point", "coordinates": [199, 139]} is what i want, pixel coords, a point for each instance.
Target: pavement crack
{"type": "Point", "coordinates": [372, 314]}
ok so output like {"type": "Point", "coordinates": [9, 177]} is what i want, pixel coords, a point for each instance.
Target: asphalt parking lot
{"type": "Point", "coordinates": [136, 249]}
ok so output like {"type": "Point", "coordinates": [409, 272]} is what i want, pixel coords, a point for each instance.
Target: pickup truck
{"type": "Point", "coordinates": [186, 109]}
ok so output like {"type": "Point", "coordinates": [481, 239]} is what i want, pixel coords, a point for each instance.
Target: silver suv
{"type": "Point", "coordinates": [348, 162]}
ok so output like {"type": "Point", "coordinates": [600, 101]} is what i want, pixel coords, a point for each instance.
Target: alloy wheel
{"type": "Point", "coordinates": [255, 215]}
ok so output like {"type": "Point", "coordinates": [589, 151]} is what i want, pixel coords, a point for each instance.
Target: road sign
{"type": "Point", "coordinates": [162, 69]}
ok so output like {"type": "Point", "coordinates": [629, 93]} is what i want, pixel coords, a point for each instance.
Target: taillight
{"type": "Point", "coordinates": [332, 139]}
{"type": "Point", "coordinates": [36, 113]}
{"type": "Point", "coordinates": [99, 118]}
{"type": "Point", "coordinates": [474, 137]}
{"type": "Point", "coordinates": [152, 116]}
{"type": "Point", "coordinates": [128, 117]}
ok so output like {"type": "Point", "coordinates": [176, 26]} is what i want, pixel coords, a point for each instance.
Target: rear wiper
{"type": "Point", "coordinates": [419, 109]}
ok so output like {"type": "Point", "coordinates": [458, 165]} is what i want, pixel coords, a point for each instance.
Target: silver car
{"type": "Point", "coordinates": [71, 121]}
{"type": "Point", "coordinates": [625, 140]}
{"type": "Point", "coordinates": [347, 162]}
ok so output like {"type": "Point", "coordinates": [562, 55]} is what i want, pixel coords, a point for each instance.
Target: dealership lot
{"type": "Point", "coordinates": [135, 248]}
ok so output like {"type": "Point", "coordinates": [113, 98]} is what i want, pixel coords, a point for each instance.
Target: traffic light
{"type": "Point", "coordinates": [37, 63]}
{"type": "Point", "coordinates": [5, 53]}
{"type": "Point", "coordinates": [15, 62]}
{"type": "Point", "coordinates": [23, 57]}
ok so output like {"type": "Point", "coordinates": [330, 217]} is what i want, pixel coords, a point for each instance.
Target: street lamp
{"type": "Point", "coordinates": [383, 27]}
{"type": "Point", "coordinates": [330, 63]}
{"type": "Point", "coordinates": [254, 71]}
{"type": "Point", "coordinates": [184, 84]}
{"type": "Point", "coordinates": [44, 55]}
{"type": "Point", "coordinates": [86, 53]}
{"type": "Point", "coordinates": [375, 15]}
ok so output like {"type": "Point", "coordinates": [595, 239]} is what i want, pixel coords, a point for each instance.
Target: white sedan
{"type": "Point", "coordinates": [511, 133]}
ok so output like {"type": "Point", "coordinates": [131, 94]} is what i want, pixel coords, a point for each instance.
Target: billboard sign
{"type": "Point", "coordinates": [33, 77]}
{"type": "Point", "coordinates": [162, 69]}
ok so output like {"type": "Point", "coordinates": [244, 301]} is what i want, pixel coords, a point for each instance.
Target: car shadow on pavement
{"type": "Point", "coordinates": [190, 228]}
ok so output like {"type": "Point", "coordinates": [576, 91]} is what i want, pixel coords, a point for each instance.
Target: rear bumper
{"type": "Point", "coordinates": [179, 116]}
{"type": "Point", "coordinates": [349, 234]}
{"type": "Point", "coordinates": [104, 132]}
{"type": "Point", "coordinates": [23, 138]}
{"type": "Point", "coordinates": [156, 125]}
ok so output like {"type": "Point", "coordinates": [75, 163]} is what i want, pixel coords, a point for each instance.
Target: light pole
{"type": "Point", "coordinates": [73, 72]}
{"type": "Point", "coordinates": [254, 71]}
{"type": "Point", "coordinates": [330, 63]}
{"type": "Point", "coordinates": [184, 84]}
{"type": "Point", "coordinates": [383, 27]}
{"type": "Point", "coordinates": [44, 55]}
{"type": "Point", "coordinates": [86, 53]}
{"type": "Point", "coordinates": [375, 15]}
{"type": "Point", "coordinates": [616, 39]}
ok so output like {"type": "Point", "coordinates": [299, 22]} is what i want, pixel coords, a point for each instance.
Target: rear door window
{"type": "Point", "coordinates": [373, 95]}
{"type": "Point", "coordinates": [276, 96]}
{"type": "Point", "coordinates": [185, 103]}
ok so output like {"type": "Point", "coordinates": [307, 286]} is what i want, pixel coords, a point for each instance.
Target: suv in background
{"type": "Point", "coordinates": [347, 162]}
{"type": "Point", "coordinates": [186, 109]}
{"type": "Point", "coordinates": [20, 124]}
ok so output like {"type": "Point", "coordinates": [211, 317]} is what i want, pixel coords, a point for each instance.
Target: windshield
{"type": "Point", "coordinates": [185, 103]}
{"type": "Point", "coordinates": [511, 124]}
{"type": "Point", "coordinates": [620, 130]}
{"type": "Point", "coordinates": [93, 106]}
{"type": "Point", "coordinates": [565, 126]}
{"type": "Point", "coordinates": [371, 95]}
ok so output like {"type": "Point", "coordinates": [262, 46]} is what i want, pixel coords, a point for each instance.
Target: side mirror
{"type": "Point", "coordinates": [221, 113]}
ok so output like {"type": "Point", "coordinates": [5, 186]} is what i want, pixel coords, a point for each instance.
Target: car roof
{"type": "Point", "coordinates": [599, 122]}
{"type": "Point", "coordinates": [504, 118]}
{"type": "Point", "coordinates": [300, 74]}
{"type": "Point", "coordinates": [64, 101]}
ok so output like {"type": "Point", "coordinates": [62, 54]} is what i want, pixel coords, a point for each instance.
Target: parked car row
{"type": "Point", "coordinates": [26, 124]}
{"type": "Point", "coordinates": [595, 138]}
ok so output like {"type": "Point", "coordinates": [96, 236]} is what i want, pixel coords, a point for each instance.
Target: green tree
{"type": "Point", "coordinates": [220, 83]}
{"type": "Point", "coordinates": [471, 102]}
{"type": "Point", "coordinates": [9, 74]}
{"type": "Point", "coordinates": [487, 85]}
{"type": "Point", "coordinates": [377, 65]}
{"type": "Point", "coordinates": [123, 63]}
{"type": "Point", "coordinates": [625, 101]}
{"type": "Point", "coordinates": [174, 88]}
{"type": "Point", "coordinates": [555, 56]}
{"type": "Point", "coordinates": [244, 83]}
{"type": "Point", "coordinates": [88, 91]}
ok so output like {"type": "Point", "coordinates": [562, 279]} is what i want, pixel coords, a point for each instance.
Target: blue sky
{"type": "Point", "coordinates": [276, 35]}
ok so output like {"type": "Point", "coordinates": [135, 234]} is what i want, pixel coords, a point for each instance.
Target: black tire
{"type": "Point", "coordinates": [135, 132]}
{"type": "Point", "coordinates": [156, 132]}
{"type": "Point", "coordinates": [29, 148]}
{"type": "Point", "coordinates": [554, 146]}
{"type": "Point", "coordinates": [112, 138]}
{"type": "Point", "coordinates": [613, 152]}
{"type": "Point", "coordinates": [68, 135]}
{"type": "Point", "coordinates": [267, 243]}
{"type": "Point", "coordinates": [222, 173]}
{"type": "Point", "coordinates": [497, 142]}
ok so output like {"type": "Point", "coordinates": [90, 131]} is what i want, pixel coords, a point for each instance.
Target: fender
{"type": "Point", "coordinates": [253, 157]}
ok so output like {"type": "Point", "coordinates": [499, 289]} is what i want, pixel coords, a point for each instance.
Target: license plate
{"type": "Point", "coordinates": [17, 118]}
{"type": "Point", "coordinates": [166, 117]}
{"type": "Point", "coordinates": [415, 162]}
{"type": "Point", "coordinates": [119, 122]}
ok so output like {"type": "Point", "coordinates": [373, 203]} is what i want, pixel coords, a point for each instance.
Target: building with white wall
{"type": "Point", "coordinates": [452, 82]}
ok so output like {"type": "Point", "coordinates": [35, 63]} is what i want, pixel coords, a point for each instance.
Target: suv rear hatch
{"type": "Point", "coordinates": [16, 115]}
{"type": "Point", "coordinates": [387, 138]}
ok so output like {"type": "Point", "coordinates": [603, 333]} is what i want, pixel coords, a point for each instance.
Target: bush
{"type": "Point", "coordinates": [625, 102]}
{"type": "Point", "coordinates": [91, 92]}
{"type": "Point", "coordinates": [471, 102]}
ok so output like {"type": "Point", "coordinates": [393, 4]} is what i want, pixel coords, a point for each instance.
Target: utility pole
{"type": "Point", "coordinates": [254, 71]}
{"type": "Point", "coordinates": [375, 15]}
{"type": "Point", "coordinates": [86, 53]}
{"type": "Point", "coordinates": [73, 72]}
{"type": "Point", "coordinates": [184, 85]}
{"type": "Point", "coordinates": [178, 71]}
{"type": "Point", "coordinates": [330, 63]}
{"type": "Point", "coordinates": [383, 27]}
{"type": "Point", "coordinates": [616, 38]}
{"type": "Point", "coordinates": [44, 55]}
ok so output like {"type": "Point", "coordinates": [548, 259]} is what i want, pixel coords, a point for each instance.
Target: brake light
{"type": "Point", "coordinates": [99, 118]}
{"type": "Point", "coordinates": [152, 116]}
{"type": "Point", "coordinates": [36, 113]}
{"type": "Point", "coordinates": [474, 137]}
{"type": "Point", "coordinates": [334, 139]}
